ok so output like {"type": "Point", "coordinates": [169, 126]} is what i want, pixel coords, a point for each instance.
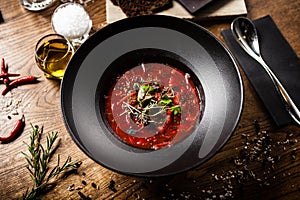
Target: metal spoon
{"type": "Point", "coordinates": [245, 34]}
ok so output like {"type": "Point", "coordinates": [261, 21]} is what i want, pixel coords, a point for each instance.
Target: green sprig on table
{"type": "Point", "coordinates": [38, 161]}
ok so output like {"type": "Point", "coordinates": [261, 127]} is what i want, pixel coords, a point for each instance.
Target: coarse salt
{"type": "Point", "coordinates": [71, 20]}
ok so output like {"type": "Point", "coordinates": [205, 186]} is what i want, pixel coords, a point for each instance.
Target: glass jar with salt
{"type": "Point", "coordinates": [72, 21]}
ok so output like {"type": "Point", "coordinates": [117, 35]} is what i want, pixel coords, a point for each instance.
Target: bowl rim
{"type": "Point", "coordinates": [131, 23]}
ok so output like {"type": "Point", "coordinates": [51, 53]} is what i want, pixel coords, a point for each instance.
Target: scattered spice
{"type": "Point", "coordinates": [18, 128]}
{"type": "Point", "coordinates": [71, 187]}
{"type": "Point", "coordinates": [94, 185]}
{"type": "Point", "coordinates": [111, 186]}
{"type": "Point", "coordinates": [293, 154]}
{"type": "Point", "coordinates": [78, 188]}
{"type": "Point", "coordinates": [83, 182]}
{"type": "Point", "coordinates": [257, 149]}
{"type": "Point", "coordinates": [255, 163]}
{"type": "Point", "coordinates": [10, 106]}
{"type": "Point", "coordinates": [82, 196]}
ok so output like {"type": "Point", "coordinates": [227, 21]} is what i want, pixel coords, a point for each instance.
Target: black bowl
{"type": "Point", "coordinates": [152, 38]}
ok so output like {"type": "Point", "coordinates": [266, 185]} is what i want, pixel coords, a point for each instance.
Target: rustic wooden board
{"type": "Point", "coordinates": [217, 9]}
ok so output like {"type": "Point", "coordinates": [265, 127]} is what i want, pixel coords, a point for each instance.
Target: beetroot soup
{"type": "Point", "coordinates": [153, 105]}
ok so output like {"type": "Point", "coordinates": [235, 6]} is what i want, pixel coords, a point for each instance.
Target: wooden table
{"type": "Point", "coordinates": [221, 177]}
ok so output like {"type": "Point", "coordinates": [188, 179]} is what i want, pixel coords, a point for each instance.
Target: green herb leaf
{"type": "Point", "coordinates": [142, 92]}
{"type": "Point", "coordinates": [176, 109]}
{"type": "Point", "coordinates": [38, 161]}
{"type": "Point", "coordinates": [165, 100]}
{"type": "Point", "coordinates": [150, 89]}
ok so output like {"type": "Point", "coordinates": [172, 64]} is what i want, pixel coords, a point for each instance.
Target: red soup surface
{"type": "Point", "coordinates": [152, 106]}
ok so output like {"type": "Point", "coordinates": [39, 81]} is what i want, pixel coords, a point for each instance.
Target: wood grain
{"type": "Point", "coordinates": [40, 103]}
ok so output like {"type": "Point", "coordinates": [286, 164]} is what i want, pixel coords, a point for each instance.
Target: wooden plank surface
{"type": "Point", "coordinates": [217, 178]}
{"type": "Point", "coordinates": [217, 9]}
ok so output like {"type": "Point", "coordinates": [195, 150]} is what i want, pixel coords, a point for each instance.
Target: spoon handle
{"type": "Point", "coordinates": [289, 103]}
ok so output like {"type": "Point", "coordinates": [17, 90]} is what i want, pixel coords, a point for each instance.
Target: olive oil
{"type": "Point", "coordinates": [52, 57]}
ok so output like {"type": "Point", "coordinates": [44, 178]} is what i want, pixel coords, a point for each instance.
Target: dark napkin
{"type": "Point", "coordinates": [281, 59]}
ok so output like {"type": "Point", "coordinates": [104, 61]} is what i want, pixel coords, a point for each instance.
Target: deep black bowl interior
{"type": "Point", "coordinates": [151, 38]}
{"type": "Point", "coordinates": [128, 61]}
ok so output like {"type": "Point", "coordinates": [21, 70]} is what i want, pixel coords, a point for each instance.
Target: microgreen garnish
{"type": "Point", "coordinates": [176, 109]}
{"type": "Point", "coordinates": [165, 100]}
{"type": "Point", "coordinates": [150, 100]}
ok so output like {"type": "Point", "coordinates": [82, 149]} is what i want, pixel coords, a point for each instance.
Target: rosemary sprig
{"type": "Point", "coordinates": [38, 161]}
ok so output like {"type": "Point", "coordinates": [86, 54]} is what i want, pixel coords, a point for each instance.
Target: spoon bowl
{"type": "Point", "coordinates": [245, 29]}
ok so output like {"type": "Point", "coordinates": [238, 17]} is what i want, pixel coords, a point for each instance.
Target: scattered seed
{"type": "Point", "coordinates": [293, 154]}
{"type": "Point", "coordinates": [83, 182]}
{"type": "Point", "coordinates": [82, 196]}
{"type": "Point", "coordinates": [111, 185]}
{"type": "Point", "coordinates": [78, 188]}
{"type": "Point", "coordinates": [94, 185]}
{"type": "Point", "coordinates": [71, 187]}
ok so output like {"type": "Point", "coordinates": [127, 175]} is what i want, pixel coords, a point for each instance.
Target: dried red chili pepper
{"type": "Point", "coordinates": [23, 80]}
{"type": "Point", "coordinates": [6, 81]}
{"type": "Point", "coordinates": [19, 81]}
{"type": "Point", "coordinates": [7, 75]}
{"type": "Point", "coordinates": [6, 90]}
{"type": "Point", "coordinates": [18, 128]}
{"type": "Point", "coordinates": [4, 70]}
